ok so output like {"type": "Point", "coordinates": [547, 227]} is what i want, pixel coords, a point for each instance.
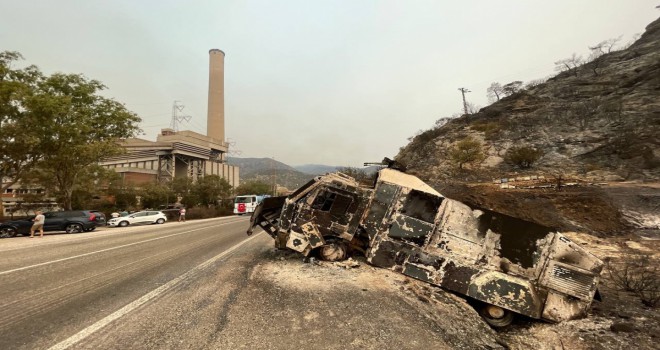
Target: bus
{"type": "Point", "coordinates": [247, 203]}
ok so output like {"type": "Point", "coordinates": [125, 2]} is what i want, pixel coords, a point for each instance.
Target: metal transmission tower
{"type": "Point", "coordinates": [463, 92]}
{"type": "Point", "coordinates": [177, 117]}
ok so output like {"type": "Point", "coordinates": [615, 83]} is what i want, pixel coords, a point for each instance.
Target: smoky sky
{"type": "Point", "coordinates": [324, 82]}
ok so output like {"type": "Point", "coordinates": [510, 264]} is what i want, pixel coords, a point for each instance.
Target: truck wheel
{"type": "Point", "coordinates": [333, 251]}
{"type": "Point", "coordinates": [496, 316]}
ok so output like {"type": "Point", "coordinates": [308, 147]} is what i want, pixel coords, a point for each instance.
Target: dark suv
{"type": "Point", "coordinates": [72, 221]}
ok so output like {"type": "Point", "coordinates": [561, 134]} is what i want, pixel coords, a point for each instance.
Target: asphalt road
{"type": "Point", "coordinates": [119, 288]}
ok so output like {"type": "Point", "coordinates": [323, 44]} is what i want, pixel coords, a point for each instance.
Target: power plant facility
{"type": "Point", "coordinates": [182, 153]}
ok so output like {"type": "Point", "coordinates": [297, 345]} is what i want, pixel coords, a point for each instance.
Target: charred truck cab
{"type": "Point", "coordinates": [401, 223]}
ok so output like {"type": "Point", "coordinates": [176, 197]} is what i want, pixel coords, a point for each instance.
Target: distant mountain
{"type": "Point", "coordinates": [291, 177]}
{"type": "Point", "coordinates": [316, 169]}
{"type": "Point", "coordinates": [267, 170]}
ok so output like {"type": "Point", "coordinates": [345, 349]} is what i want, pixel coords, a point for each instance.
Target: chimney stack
{"type": "Point", "coordinates": [215, 122]}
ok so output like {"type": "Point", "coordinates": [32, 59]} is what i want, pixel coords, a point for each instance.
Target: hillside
{"type": "Point", "coordinates": [316, 169]}
{"type": "Point", "coordinates": [264, 169]}
{"type": "Point", "coordinates": [595, 123]}
{"type": "Point", "coordinates": [600, 121]}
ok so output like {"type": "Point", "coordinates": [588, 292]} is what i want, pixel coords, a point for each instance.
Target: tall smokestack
{"type": "Point", "coordinates": [215, 121]}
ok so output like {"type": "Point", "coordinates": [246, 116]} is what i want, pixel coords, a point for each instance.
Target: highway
{"type": "Point", "coordinates": [133, 287]}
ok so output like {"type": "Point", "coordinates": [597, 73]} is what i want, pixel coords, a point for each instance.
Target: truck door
{"type": "Point", "coordinates": [414, 221]}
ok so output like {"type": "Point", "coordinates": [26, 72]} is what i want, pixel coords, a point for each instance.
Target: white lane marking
{"type": "Point", "coordinates": [109, 249]}
{"type": "Point", "coordinates": [145, 298]}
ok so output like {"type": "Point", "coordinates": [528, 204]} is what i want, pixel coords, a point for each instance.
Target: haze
{"type": "Point", "coordinates": [325, 82]}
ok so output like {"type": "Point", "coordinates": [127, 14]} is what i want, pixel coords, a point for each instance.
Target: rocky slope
{"type": "Point", "coordinates": [599, 121]}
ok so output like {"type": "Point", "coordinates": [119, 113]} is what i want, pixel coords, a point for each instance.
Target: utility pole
{"type": "Point", "coordinates": [463, 91]}
{"type": "Point", "coordinates": [272, 176]}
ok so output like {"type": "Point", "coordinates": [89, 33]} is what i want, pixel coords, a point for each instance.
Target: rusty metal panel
{"type": "Point", "coordinates": [419, 272]}
{"type": "Point", "coordinates": [457, 277]}
{"type": "Point", "coordinates": [570, 280]}
{"type": "Point", "coordinates": [560, 307]}
{"type": "Point", "coordinates": [298, 242]}
{"type": "Point", "coordinates": [566, 251]}
{"type": "Point", "coordinates": [312, 234]}
{"type": "Point", "coordinates": [383, 198]}
{"type": "Point", "coordinates": [509, 292]}
{"type": "Point", "coordinates": [410, 230]}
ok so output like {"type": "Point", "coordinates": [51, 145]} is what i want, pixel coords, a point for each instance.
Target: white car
{"type": "Point", "coordinates": [141, 217]}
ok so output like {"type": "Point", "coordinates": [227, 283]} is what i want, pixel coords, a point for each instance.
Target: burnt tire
{"type": "Point", "coordinates": [7, 232]}
{"type": "Point", "coordinates": [496, 317]}
{"type": "Point", "coordinates": [123, 224]}
{"type": "Point", "coordinates": [333, 251]}
{"type": "Point", "coordinates": [74, 228]}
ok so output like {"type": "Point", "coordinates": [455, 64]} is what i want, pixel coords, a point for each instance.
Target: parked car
{"type": "Point", "coordinates": [141, 217]}
{"type": "Point", "coordinates": [71, 221]}
{"type": "Point", "coordinates": [100, 219]}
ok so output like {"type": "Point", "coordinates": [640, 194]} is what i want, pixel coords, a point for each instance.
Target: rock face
{"type": "Point", "coordinates": [599, 121]}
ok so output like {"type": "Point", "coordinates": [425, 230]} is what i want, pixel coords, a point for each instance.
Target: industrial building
{"type": "Point", "coordinates": [173, 154]}
{"type": "Point", "coordinates": [182, 153]}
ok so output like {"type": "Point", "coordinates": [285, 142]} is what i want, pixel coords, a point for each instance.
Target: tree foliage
{"type": "Point", "coordinates": [84, 127]}
{"type": "Point", "coordinates": [466, 151]}
{"type": "Point", "coordinates": [155, 195]}
{"type": "Point", "coordinates": [522, 156]}
{"type": "Point", "coordinates": [211, 188]}
{"type": "Point", "coordinates": [19, 137]}
{"type": "Point", "coordinates": [59, 124]}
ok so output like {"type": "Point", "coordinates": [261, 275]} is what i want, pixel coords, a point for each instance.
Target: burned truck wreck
{"type": "Point", "coordinates": [504, 264]}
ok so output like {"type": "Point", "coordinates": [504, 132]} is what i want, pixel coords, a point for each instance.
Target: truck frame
{"type": "Point", "coordinates": [507, 265]}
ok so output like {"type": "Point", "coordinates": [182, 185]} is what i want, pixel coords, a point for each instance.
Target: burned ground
{"type": "Point", "coordinates": [286, 303]}
{"type": "Point", "coordinates": [292, 304]}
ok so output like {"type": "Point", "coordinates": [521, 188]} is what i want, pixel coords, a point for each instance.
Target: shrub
{"type": "Point", "coordinates": [490, 129]}
{"type": "Point", "coordinates": [523, 157]}
{"type": "Point", "coordinates": [638, 275]}
{"type": "Point", "coordinates": [206, 213]}
{"type": "Point", "coordinates": [466, 151]}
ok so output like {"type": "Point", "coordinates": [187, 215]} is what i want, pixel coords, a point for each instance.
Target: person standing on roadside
{"type": "Point", "coordinates": [182, 214]}
{"type": "Point", "coordinates": [39, 221]}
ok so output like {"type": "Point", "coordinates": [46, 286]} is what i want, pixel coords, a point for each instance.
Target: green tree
{"type": "Point", "coordinates": [254, 187]}
{"type": "Point", "coordinates": [183, 187]}
{"type": "Point", "coordinates": [126, 197]}
{"type": "Point", "coordinates": [209, 189]}
{"type": "Point", "coordinates": [78, 129]}
{"type": "Point", "coordinates": [523, 157]}
{"type": "Point", "coordinates": [466, 151]}
{"type": "Point", "coordinates": [19, 138]}
{"type": "Point", "coordinates": [155, 195]}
